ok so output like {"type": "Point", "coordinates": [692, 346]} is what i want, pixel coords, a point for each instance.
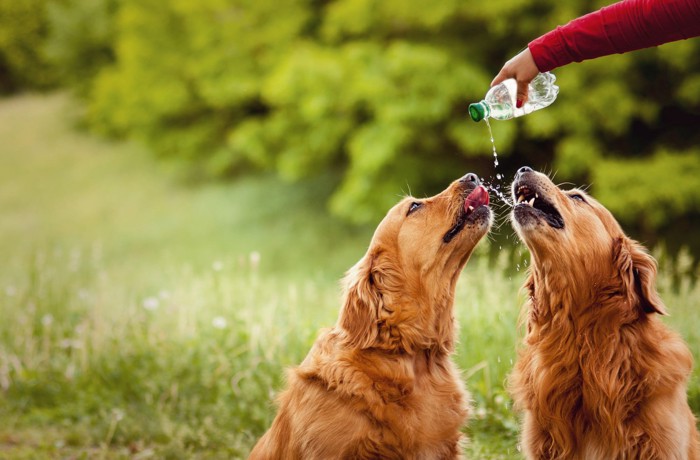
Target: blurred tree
{"type": "Point", "coordinates": [187, 74]}
{"type": "Point", "coordinates": [22, 34]}
{"type": "Point", "coordinates": [80, 39]}
{"type": "Point", "coordinates": [375, 90]}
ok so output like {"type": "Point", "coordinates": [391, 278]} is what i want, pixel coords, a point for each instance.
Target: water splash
{"type": "Point", "coordinates": [496, 189]}
{"type": "Point", "coordinates": [493, 143]}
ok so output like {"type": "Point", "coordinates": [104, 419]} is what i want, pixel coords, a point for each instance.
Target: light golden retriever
{"type": "Point", "coordinates": [599, 376]}
{"type": "Point", "coordinates": [381, 384]}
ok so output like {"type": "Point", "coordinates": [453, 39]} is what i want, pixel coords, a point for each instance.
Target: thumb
{"type": "Point", "coordinates": [522, 95]}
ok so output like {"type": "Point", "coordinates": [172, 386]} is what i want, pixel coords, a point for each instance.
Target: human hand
{"type": "Point", "coordinates": [522, 67]}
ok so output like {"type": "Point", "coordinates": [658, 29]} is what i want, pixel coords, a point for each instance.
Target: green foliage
{"type": "Point", "coordinates": [80, 39]}
{"type": "Point", "coordinates": [373, 90]}
{"type": "Point", "coordinates": [22, 36]}
{"type": "Point", "coordinates": [378, 91]}
{"type": "Point", "coordinates": [186, 72]}
{"type": "Point", "coordinates": [383, 105]}
{"type": "Point", "coordinates": [673, 190]}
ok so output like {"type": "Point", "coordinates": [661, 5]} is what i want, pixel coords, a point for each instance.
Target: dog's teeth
{"type": "Point", "coordinates": [531, 202]}
{"type": "Point", "coordinates": [537, 195]}
{"type": "Point", "coordinates": [471, 208]}
{"type": "Point", "coordinates": [520, 199]}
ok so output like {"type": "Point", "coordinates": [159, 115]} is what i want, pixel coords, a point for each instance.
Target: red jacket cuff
{"type": "Point", "coordinates": [547, 50]}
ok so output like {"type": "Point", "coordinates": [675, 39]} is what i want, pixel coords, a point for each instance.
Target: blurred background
{"type": "Point", "coordinates": [183, 183]}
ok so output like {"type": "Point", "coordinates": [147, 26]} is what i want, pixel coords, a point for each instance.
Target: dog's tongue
{"type": "Point", "coordinates": [478, 197]}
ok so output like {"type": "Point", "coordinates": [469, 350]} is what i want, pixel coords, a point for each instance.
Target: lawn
{"type": "Point", "coordinates": [144, 316]}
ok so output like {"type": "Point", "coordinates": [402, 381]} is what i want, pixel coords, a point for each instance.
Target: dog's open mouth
{"type": "Point", "coordinates": [475, 205]}
{"type": "Point", "coordinates": [528, 197]}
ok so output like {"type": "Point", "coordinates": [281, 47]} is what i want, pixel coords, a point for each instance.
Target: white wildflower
{"type": "Point", "coordinates": [47, 320]}
{"type": "Point", "coordinates": [117, 414]}
{"type": "Point", "coordinates": [70, 343]}
{"type": "Point", "coordinates": [151, 303]}
{"type": "Point", "coordinates": [219, 322]}
{"type": "Point", "coordinates": [254, 260]}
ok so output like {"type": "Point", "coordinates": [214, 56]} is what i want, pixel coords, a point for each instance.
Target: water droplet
{"type": "Point", "coordinates": [498, 176]}
{"type": "Point", "coordinates": [493, 143]}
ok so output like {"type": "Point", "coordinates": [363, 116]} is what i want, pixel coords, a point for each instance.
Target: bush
{"type": "Point", "coordinates": [80, 39]}
{"type": "Point", "coordinates": [22, 35]}
{"type": "Point", "coordinates": [187, 72]}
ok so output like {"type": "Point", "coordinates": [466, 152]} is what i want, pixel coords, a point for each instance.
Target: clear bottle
{"type": "Point", "coordinates": [499, 102]}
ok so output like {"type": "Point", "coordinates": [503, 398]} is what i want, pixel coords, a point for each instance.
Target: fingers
{"type": "Point", "coordinates": [521, 98]}
{"type": "Point", "coordinates": [522, 68]}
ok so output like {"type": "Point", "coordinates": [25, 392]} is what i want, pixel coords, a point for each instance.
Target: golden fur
{"type": "Point", "coordinates": [380, 384]}
{"type": "Point", "coordinates": [599, 376]}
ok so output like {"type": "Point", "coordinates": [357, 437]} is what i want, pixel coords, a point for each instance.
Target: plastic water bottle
{"type": "Point", "coordinates": [499, 102]}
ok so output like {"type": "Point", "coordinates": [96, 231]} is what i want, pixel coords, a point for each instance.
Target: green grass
{"type": "Point", "coordinates": [146, 318]}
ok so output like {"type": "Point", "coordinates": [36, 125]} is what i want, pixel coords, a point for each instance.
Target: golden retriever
{"type": "Point", "coordinates": [381, 384]}
{"type": "Point", "coordinates": [599, 376]}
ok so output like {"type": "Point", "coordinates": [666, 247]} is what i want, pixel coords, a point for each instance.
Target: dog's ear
{"type": "Point", "coordinates": [359, 316]}
{"type": "Point", "coordinates": [638, 272]}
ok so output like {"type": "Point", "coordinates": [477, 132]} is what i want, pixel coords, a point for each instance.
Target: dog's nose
{"type": "Point", "coordinates": [471, 177]}
{"type": "Point", "coordinates": [523, 170]}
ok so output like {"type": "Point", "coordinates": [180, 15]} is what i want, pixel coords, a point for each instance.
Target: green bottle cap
{"type": "Point", "coordinates": [478, 111]}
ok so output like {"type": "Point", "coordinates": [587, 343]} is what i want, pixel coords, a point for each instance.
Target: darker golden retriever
{"type": "Point", "coordinates": [599, 376]}
{"type": "Point", "coordinates": [381, 383]}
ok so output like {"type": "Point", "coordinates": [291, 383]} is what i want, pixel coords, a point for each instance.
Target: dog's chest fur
{"type": "Point", "coordinates": [396, 399]}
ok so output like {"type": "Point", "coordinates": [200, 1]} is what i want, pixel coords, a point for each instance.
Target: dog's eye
{"type": "Point", "coordinates": [413, 207]}
{"type": "Point", "coordinates": [577, 197]}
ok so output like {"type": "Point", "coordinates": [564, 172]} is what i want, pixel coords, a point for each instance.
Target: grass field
{"type": "Point", "coordinates": [143, 317]}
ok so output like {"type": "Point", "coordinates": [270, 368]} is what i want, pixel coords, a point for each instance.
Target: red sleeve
{"type": "Point", "coordinates": [624, 26]}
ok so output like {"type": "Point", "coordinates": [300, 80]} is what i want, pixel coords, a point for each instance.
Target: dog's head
{"type": "Point", "coordinates": [571, 233]}
{"type": "Point", "coordinates": [399, 295]}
